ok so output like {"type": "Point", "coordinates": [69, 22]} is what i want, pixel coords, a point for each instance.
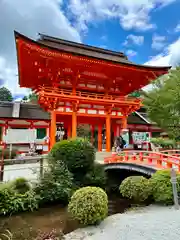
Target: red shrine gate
{"type": "Point", "coordinates": [77, 83]}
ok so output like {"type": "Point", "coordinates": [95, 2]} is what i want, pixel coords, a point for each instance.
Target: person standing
{"type": "Point", "coordinates": [119, 144]}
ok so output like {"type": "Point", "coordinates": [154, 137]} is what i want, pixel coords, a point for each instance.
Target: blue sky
{"type": "Point", "coordinates": [139, 43]}
{"type": "Point", "coordinates": [110, 34]}
{"type": "Point", "coordinates": [148, 31]}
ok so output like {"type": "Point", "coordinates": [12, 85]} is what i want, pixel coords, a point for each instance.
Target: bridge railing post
{"type": "Point", "coordinates": [160, 160]}
{"type": "Point", "coordinates": [126, 156]}
{"type": "Point", "coordinates": [141, 156]}
{"type": "Point", "coordinates": [134, 157]}
{"type": "Point", "coordinates": [150, 158]}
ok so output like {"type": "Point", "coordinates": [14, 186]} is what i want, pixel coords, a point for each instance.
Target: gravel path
{"type": "Point", "coordinates": [150, 223]}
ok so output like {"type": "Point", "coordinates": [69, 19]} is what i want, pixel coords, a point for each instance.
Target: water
{"type": "Point", "coordinates": [117, 205]}
{"type": "Point", "coordinates": [26, 226]}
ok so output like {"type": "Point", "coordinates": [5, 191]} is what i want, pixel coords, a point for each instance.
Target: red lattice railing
{"type": "Point", "coordinates": [156, 160]}
{"type": "Point", "coordinates": [172, 152]}
{"type": "Point", "coordinates": [85, 95]}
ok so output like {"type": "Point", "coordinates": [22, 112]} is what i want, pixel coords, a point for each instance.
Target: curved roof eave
{"type": "Point", "coordinates": [125, 62]}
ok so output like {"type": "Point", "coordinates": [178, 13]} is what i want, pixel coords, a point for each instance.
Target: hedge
{"type": "Point", "coordinates": [89, 205]}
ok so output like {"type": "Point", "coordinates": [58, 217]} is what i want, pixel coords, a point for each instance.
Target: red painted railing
{"type": "Point", "coordinates": [85, 96]}
{"type": "Point", "coordinates": [172, 152]}
{"type": "Point", "coordinates": [156, 160]}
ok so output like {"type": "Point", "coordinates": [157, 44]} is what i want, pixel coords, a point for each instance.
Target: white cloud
{"type": "Point", "coordinates": [131, 53]}
{"type": "Point", "coordinates": [158, 42]}
{"type": "Point", "coordinates": [177, 28]}
{"type": "Point", "coordinates": [29, 18]}
{"type": "Point", "coordinates": [138, 40]}
{"type": "Point", "coordinates": [170, 56]}
{"type": "Point", "coordinates": [131, 14]}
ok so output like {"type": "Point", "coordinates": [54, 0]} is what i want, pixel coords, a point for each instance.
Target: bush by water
{"type": "Point", "coordinates": [162, 187]}
{"type": "Point", "coordinates": [136, 188]}
{"type": "Point", "coordinates": [14, 202]}
{"type": "Point", "coordinates": [89, 205]}
{"type": "Point", "coordinates": [55, 185]}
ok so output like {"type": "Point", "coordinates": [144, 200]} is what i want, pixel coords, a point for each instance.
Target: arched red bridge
{"type": "Point", "coordinates": [143, 161]}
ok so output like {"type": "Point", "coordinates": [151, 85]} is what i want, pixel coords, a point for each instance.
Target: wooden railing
{"type": "Point", "coordinates": [172, 152]}
{"type": "Point", "coordinates": [78, 94]}
{"type": "Point", "coordinates": [156, 160]}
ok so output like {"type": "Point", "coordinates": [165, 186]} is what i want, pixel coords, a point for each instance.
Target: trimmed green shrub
{"type": "Point", "coordinates": [164, 143]}
{"type": "Point", "coordinates": [78, 154]}
{"type": "Point", "coordinates": [28, 201]}
{"type": "Point", "coordinates": [13, 202]}
{"type": "Point", "coordinates": [6, 196]}
{"type": "Point", "coordinates": [21, 185]}
{"type": "Point", "coordinates": [96, 176]}
{"type": "Point", "coordinates": [89, 205]}
{"type": "Point", "coordinates": [162, 187]}
{"type": "Point", "coordinates": [56, 184]}
{"type": "Point", "coordinates": [136, 188]}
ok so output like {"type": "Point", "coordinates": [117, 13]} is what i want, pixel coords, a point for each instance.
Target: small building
{"type": "Point", "coordinates": [18, 119]}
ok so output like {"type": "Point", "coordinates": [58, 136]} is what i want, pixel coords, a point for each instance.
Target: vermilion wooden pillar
{"type": "Point", "coordinates": [53, 129]}
{"type": "Point", "coordinates": [108, 132]}
{"type": "Point", "coordinates": [99, 137]}
{"type": "Point", "coordinates": [74, 121]}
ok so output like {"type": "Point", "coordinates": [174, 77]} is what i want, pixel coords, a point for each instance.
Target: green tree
{"type": "Point", "coordinates": [5, 94]}
{"type": "Point", "coordinates": [32, 98]}
{"type": "Point", "coordinates": [163, 103]}
{"type": "Point", "coordinates": [25, 99]}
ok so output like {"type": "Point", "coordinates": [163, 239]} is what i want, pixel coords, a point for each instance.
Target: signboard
{"type": "Point", "coordinates": [141, 137]}
{"type": "Point", "coordinates": [20, 136]}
